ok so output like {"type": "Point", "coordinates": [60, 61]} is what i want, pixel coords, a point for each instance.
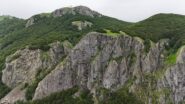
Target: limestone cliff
{"type": "Point", "coordinates": [23, 66]}
{"type": "Point", "coordinates": [103, 61]}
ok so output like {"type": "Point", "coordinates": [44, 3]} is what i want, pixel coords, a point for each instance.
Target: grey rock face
{"type": "Point", "coordinates": [111, 75]}
{"type": "Point", "coordinates": [101, 61]}
{"type": "Point", "coordinates": [86, 11]}
{"type": "Point", "coordinates": [82, 25]}
{"type": "Point", "coordinates": [23, 66]}
{"type": "Point", "coordinates": [63, 11]}
{"type": "Point", "coordinates": [15, 95]}
{"type": "Point", "coordinates": [23, 69]}
{"type": "Point", "coordinates": [30, 22]}
{"type": "Point", "coordinates": [174, 78]}
{"type": "Point", "coordinates": [52, 84]}
{"type": "Point", "coordinates": [76, 10]}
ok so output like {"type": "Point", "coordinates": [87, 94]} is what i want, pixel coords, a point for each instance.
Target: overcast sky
{"type": "Point", "coordinates": [128, 10]}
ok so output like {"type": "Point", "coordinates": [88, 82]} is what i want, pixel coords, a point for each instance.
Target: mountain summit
{"type": "Point", "coordinates": [83, 10]}
{"type": "Point", "coordinates": [78, 10]}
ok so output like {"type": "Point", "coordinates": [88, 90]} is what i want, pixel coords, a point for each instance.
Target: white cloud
{"type": "Point", "coordinates": [128, 10]}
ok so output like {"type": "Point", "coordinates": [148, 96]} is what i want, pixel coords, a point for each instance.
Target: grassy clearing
{"type": "Point", "coordinates": [110, 33]}
{"type": "Point", "coordinates": [171, 59]}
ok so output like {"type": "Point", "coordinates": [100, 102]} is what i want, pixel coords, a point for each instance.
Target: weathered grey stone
{"type": "Point", "coordinates": [76, 10]}
{"type": "Point", "coordinates": [86, 11]}
{"type": "Point", "coordinates": [17, 94]}
{"type": "Point", "coordinates": [111, 76]}
{"type": "Point", "coordinates": [101, 61]}
{"type": "Point", "coordinates": [81, 25]}
{"type": "Point", "coordinates": [174, 80]}
{"type": "Point", "coordinates": [181, 55]}
{"type": "Point", "coordinates": [52, 84]}
{"type": "Point", "coordinates": [63, 11]}
{"type": "Point", "coordinates": [30, 22]}
{"type": "Point", "coordinates": [23, 66]}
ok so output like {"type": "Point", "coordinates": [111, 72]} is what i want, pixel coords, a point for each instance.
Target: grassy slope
{"type": "Point", "coordinates": [9, 24]}
{"type": "Point", "coordinates": [161, 26]}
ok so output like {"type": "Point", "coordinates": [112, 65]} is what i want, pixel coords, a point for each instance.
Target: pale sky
{"type": "Point", "coordinates": [127, 10]}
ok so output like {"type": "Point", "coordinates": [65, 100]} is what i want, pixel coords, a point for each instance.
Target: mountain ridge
{"type": "Point", "coordinates": [77, 55]}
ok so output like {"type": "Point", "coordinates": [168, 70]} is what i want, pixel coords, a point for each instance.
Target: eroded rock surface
{"type": "Point", "coordinates": [17, 94]}
{"type": "Point", "coordinates": [82, 25]}
{"type": "Point", "coordinates": [102, 61]}
{"type": "Point", "coordinates": [30, 22]}
{"type": "Point", "coordinates": [23, 66]}
{"type": "Point", "coordinates": [76, 10]}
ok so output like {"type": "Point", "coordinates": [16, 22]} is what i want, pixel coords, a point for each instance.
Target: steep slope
{"type": "Point", "coordinates": [102, 65]}
{"type": "Point", "coordinates": [47, 28]}
{"type": "Point", "coordinates": [24, 67]}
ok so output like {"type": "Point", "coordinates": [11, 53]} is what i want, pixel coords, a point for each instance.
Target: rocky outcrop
{"type": "Point", "coordinates": [30, 22]}
{"type": "Point", "coordinates": [82, 25]}
{"type": "Point", "coordinates": [34, 19]}
{"type": "Point", "coordinates": [23, 66]}
{"type": "Point", "coordinates": [102, 61]}
{"type": "Point", "coordinates": [17, 94]}
{"type": "Point", "coordinates": [174, 79]}
{"type": "Point", "coordinates": [82, 10]}
{"type": "Point", "coordinates": [76, 10]}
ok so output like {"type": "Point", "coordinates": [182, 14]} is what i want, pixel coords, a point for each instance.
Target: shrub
{"type": "Point", "coordinates": [64, 97]}
{"type": "Point", "coordinates": [147, 44]}
{"type": "Point", "coordinates": [122, 96]}
{"type": "Point", "coordinates": [3, 88]}
{"type": "Point", "coordinates": [30, 91]}
{"type": "Point", "coordinates": [42, 47]}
